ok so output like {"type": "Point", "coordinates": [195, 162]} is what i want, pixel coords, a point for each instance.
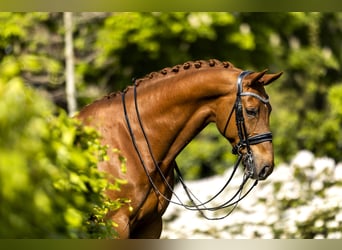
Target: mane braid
{"type": "Point", "coordinates": [168, 71]}
{"type": "Point", "coordinates": [199, 64]}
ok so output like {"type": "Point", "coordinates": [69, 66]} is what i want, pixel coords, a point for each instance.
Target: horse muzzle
{"type": "Point", "coordinates": [254, 172]}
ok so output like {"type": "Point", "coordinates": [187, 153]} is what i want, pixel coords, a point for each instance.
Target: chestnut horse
{"type": "Point", "coordinates": [151, 122]}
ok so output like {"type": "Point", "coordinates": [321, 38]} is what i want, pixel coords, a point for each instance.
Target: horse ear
{"type": "Point", "coordinates": [262, 77]}
{"type": "Point", "coordinates": [255, 77]}
{"type": "Point", "coordinates": [268, 78]}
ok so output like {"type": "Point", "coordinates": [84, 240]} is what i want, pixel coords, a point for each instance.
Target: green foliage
{"type": "Point", "coordinates": [112, 48]}
{"type": "Point", "coordinates": [295, 43]}
{"type": "Point", "coordinates": [50, 185]}
{"type": "Point", "coordinates": [209, 154]}
{"type": "Point", "coordinates": [161, 39]}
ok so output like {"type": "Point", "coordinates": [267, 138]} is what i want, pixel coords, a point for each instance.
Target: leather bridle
{"type": "Point", "coordinates": [244, 143]}
{"type": "Point", "coordinates": [244, 140]}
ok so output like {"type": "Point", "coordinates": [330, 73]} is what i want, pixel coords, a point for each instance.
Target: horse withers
{"type": "Point", "coordinates": [151, 122]}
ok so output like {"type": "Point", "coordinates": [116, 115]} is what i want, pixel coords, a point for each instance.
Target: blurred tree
{"type": "Point", "coordinates": [302, 114]}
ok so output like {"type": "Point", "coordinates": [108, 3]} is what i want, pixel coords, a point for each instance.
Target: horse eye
{"type": "Point", "coordinates": [252, 112]}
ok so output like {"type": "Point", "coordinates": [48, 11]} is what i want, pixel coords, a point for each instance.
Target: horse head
{"type": "Point", "coordinates": [247, 126]}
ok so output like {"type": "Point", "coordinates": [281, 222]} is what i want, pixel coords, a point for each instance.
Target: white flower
{"type": "Point", "coordinates": [338, 217]}
{"type": "Point", "coordinates": [224, 234]}
{"type": "Point", "coordinates": [256, 231]}
{"type": "Point", "coordinates": [282, 173]}
{"type": "Point", "coordinates": [319, 223]}
{"type": "Point", "coordinates": [271, 218]}
{"type": "Point", "coordinates": [264, 191]}
{"type": "Point", "coordinates": [303, 159]}
{"type": "Point", "coordinates": [304, 213]}
{"type": "Point", "coordinates": [323, 165]}
{"type": "Point", "coordinates": [335, 235]}
{"type": "Point", "coordinates": [238, 217]}
{"type": "Point", "coordinates": [260, 212]}
{"type": "Point", "coordinates": [319, 237]}
{"type": "Point", "coordinates": [332, 224]}
{"type": "Point", "coordinates": [317, 185]}
{"type": "Point", "coordinates": [333, 193]}
{"type": "Point", "coordinates": [290, 226]}
{"type": "Point", "coordinates": [338, 172]}
{"type": "Point", "coordinates": [287, 222]}
{"type": "Point", "coordinates": [289, 191]}
{"type": "Point", "coordinates": [318, 202]}
{"type": "Point", "coordinates": [324, 204]}
{"type": "Point", "coordinates": [241, 236]}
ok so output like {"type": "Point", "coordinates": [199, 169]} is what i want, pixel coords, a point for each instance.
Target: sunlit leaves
{"type": "Point", "coordinates": [50, 184]}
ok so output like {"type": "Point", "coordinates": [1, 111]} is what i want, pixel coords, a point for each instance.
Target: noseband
{"type": "Point", "coordinates": [244, 140]}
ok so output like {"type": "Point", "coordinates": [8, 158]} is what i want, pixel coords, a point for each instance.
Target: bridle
{"type": "Point", "coordinates": [244, 142]}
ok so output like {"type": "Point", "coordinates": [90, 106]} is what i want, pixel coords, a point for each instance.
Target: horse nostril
{"type": "Point", "coordinates": [265, 171]}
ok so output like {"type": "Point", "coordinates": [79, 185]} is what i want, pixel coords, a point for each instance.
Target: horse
{"type": "Point", "coordinates": [152, 121]}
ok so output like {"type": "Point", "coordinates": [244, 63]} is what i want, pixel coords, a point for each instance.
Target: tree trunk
{"type": "Point", "coordinates": [69, 61]}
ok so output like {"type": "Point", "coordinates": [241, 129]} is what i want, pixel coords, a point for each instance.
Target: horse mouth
{"type": "Point", "coordinates": [250, 170]}
{"type": "Point", "coordinates": [249, 166]}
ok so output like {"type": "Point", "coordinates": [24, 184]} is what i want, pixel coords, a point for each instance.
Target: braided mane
{"type": "Point", "coordinates": [170, 71]}
{"type": "Point", "coordinates": [199, 64]}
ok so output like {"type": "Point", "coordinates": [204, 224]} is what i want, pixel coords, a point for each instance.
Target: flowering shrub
{"type": "Point", "coordinates": [301, 199]}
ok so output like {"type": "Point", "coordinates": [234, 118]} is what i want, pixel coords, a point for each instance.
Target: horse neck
{"type": "Point", "coordinates": [174, 110]}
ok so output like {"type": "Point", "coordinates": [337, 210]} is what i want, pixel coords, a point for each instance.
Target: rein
{"type": "Point", "coordinates": [244, 142]}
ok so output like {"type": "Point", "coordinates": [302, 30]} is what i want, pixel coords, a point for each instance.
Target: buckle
{"type": "Point", "coordinates": [238, 147]}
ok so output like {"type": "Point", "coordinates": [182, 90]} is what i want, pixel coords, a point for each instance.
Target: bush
{"type": "Point", "coordinates": [50, 185]}
{"type": "Point", "coordinates": [301, 199]}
